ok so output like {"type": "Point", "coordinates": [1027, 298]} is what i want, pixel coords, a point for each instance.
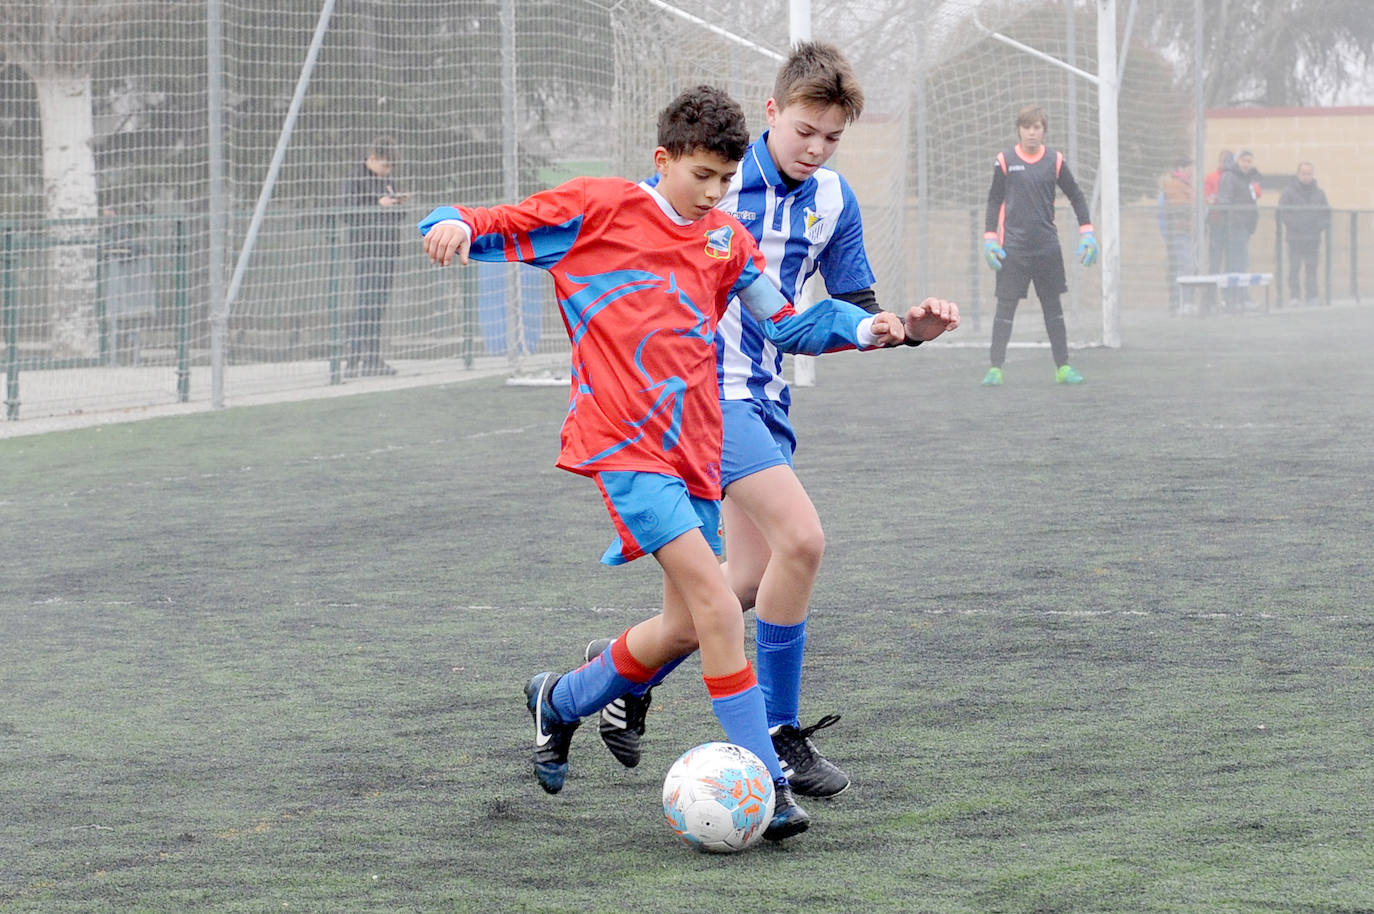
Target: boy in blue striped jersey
{"type": "Point", "coordinates": [805, 219]}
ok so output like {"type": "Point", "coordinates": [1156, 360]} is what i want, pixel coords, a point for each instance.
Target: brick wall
{"type": "Point", "coordinates": [1339, 142]}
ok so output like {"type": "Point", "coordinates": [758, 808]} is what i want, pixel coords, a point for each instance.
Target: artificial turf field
{"type": "Point", "coordinates": [1097, 649]}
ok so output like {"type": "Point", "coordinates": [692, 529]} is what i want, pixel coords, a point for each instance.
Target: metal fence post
{"type": "Point", "coordinates": [1354, 255]}
{"type": "Point", "coordinates": [1278, 258]}
{"type": "Point", "coordinates": [11, 319]}
{"type": "Point", "coordinates": [468, 289]}
{"type": "Point", "coordinates": [335, 322]}
{"type": "Point", "coordinates": [975, 249]}
{"type": "Point", "coordinates": [183, 308]}
{"type": "Point", "coordinates": [1326, 278]}
{"type": "Point", "coordinates": [104, 350]}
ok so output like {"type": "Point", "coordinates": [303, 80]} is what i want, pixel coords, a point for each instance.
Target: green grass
{"type": "Point", "coordinates": [1101, 649]}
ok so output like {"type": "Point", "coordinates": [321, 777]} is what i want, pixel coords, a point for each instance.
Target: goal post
{"type": "Point", "coordinates": [1107, 189]}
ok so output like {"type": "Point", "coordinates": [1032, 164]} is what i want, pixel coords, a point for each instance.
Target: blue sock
{"type": "Point", "coordinates": [588, 688]}
{"type": "Point", "coordinates": [779, 665]}
{"type": "Point", "coordinates": [746, 724]}
{"type": "Point", "coordinates": [662, 674]}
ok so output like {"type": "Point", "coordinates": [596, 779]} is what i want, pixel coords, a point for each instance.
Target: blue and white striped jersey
{"type": "Point", "coordinates": [815, 225]}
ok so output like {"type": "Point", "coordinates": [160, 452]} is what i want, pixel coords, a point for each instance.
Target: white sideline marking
{"type": "Point", "coordinates": [60, 600]}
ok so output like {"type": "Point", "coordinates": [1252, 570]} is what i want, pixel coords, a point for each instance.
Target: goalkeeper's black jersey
{"type": "Point", "coordinates": [1021, 200]}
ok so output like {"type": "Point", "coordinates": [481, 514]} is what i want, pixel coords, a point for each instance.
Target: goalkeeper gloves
{"type": "Point", "coordinates": [993, 253]}
{"type": "Point", "coordinates": [1087, 250]}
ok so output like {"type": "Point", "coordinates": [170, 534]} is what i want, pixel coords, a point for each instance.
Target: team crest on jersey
{"type": "Point", "coordinates": [815, 225]}
{"type": "Point", "coordinates": [718, 242]}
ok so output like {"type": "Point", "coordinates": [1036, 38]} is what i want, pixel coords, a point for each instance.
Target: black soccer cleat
{"type": "Point", "coordinates": [622, 721]}
{"type": "Point", "coordinates": [552, 736]}
{"type": "Point", "coordinates": [788, 817]}
{"type": "Point", "coordinates": [810, 773]}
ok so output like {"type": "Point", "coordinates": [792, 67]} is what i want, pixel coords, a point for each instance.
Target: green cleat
{"type": "Point", "coordinates": [993, 378]}
{"type": "Point", "coordinates": [1066, 375]}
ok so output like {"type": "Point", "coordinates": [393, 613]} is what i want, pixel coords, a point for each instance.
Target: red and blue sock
{"type": "Point", "coordinates": [598, 682]}
{"type": "Point", "coordinates": [738, 704]}
{"type": "Point", "coordinates": [661, 674]}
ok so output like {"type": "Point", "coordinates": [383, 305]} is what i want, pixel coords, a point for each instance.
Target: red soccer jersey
{"type": "Point", "coordinates": [640, 296]}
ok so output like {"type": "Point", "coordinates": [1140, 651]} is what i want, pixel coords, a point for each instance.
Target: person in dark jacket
{"type": "Point", "coordinates": [1237, 199]}
{"type": "Point", "coordinates": [374, 220]}
{"type": "Point", "coordinates": [1304, 214]}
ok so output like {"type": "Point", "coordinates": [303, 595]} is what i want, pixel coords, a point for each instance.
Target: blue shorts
{"type": "Point", "coordinates": [758, 435]}
{"type": "Point", "coordinates": [650, 510]}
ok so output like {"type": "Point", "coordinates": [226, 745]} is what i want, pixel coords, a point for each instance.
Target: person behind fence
{"type": "Point", "coordinates": [127, 281]}
{"type": "Point", "coordinates": [1175, 211]}
{"type": "Point", "coordinates": [1238, 201]}
{"type": "Point", "coordinates": [1021, 240]}
{"type": "Point", "coordinates": [1304, 214]}
{"type": "Point", "coordinates": [373, 216]}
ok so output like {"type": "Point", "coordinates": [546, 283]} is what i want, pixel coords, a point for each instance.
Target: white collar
{"type": "Point", "coordinates": [664, 205]}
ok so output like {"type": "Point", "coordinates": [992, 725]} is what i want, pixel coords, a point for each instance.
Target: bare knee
{"type": "Point", "coordinates": [802, 548]}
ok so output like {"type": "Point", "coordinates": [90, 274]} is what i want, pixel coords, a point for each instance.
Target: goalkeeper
{"type": "Point", "coordinates": [1021, 242]}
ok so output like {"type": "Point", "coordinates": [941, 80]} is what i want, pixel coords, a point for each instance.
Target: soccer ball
{"type": "Point", "coordinates": [718, 797]}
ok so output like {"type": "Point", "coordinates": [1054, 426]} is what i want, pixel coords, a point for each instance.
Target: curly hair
{"type": "Point", "coordinates": [704, 119]}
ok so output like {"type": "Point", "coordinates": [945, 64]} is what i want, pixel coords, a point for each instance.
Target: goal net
{"type": "Point", "coordinates": [979, 64]}
{"type": "Point", "coordinates": [113, 282]}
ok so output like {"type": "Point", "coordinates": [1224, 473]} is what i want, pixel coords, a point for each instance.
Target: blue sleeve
{"type": "Point", "coordinates": [827, 326]}
{"type": "Point", "coordinates": [538, 230]}
{"type": "Point", "coordinates": [439, 214]}
{"type": "Point", "coordinates": [844, 261]}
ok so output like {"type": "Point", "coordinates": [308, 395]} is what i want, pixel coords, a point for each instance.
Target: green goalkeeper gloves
{"type": "Point", "coordinates": [993, 253]}
{"type": "Point", "coordinates": [1087, 250]}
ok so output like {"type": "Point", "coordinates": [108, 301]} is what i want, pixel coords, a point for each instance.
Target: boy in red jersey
{"type": "Point", "coordinates": [642, 275]}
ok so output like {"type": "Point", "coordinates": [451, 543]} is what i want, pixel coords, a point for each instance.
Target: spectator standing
{"type": "Point", "coordinates": [374, 221]}
{"type": "Point", "coordinates": [1237, 199]}
{"type": "Point", "coordinates": [129, 290]}
{"type": "Point", "coordinates": [1175, 206]}
{"type": "Point", "coordinates": [1304, 214]}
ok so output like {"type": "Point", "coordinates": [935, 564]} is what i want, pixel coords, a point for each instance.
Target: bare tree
{"type": "Point", "coordinates": [1258, 52]}
{"type": "Point", "coordinates": [57, 43]}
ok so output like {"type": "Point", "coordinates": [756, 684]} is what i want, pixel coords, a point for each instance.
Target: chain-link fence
{"type": "Point", "coordinates": [173, 188]}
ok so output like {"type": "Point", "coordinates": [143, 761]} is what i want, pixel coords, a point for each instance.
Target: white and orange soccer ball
{"type": "Point", "coordinates": [718, 797]}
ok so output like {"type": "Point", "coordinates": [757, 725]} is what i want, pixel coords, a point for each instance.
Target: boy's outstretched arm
{"type": "Point", "coordinates": [447, 238]}
{"type": "Point", "coordinates": [538, 230]}
{"type": "Point", "coordinates": [827, 326]}
{"type": "Point", "coordinates": [923, 322]}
